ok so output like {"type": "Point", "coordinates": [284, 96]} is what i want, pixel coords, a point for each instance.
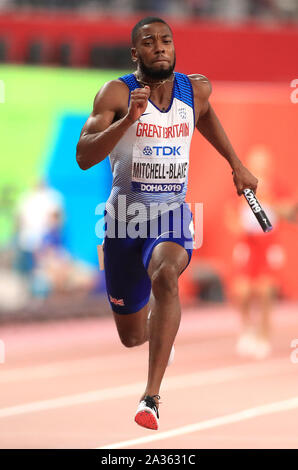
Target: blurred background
{"type": "Point", "coordinates": [55, 55]}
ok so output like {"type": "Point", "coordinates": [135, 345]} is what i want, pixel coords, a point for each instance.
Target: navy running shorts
{"type": "Point", "coordinates": [127, 253]}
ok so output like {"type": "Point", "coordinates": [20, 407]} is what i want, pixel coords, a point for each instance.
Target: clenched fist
{"type": "Point", "coordinates": [243, 179]}
{"type": "Point", "coordinates": [138, 103]}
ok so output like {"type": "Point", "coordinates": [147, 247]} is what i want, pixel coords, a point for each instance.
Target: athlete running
{"type": "Point", "coordinates": [144, 121]}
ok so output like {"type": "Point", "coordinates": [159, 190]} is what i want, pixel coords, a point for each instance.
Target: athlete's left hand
{"type": "Point", "coordinates": [243, 179]}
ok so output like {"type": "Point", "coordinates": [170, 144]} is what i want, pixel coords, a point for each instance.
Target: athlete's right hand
{"type": "Point", "coordinates": [138, 103]}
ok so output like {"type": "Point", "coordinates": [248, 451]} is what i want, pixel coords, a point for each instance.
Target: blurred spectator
{"type": "Point", "coordinates": [33, 215]}
{"type": "Point", "coordinates": [41, 255]}
{"type": "Point", "coordinates": [18, 265]}
{"type": "Point", "coordinates": [56, 265]}
{"type": "Point", "coordinates": [258, 256]}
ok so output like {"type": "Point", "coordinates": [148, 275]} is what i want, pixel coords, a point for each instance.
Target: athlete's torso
{"type": "Point", "coordinates": [150, 162]}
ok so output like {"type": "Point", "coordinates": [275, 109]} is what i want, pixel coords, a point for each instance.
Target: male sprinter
{"type": "Point", "coordinates": [144, 121]}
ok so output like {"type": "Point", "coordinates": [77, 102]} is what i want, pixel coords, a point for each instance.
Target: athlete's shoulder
{"type": "Point", "coordinates": [201, 84]}
{"type": "Point", "coordinates": [113, 86]}
{"type": "Point", "coordinates": [112, 92]}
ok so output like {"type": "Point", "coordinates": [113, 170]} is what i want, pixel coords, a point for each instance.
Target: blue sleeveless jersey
{"type": "Point", "coordinates": [150, 162]}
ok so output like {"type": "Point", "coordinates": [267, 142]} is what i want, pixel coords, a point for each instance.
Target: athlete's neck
{"type": "Point", "coordinates": [153, 83]}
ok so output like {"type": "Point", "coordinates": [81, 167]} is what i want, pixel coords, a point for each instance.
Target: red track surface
{"type": "Point", "coordinates": [71, 384]}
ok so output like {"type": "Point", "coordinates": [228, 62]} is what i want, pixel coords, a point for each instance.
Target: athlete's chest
{"type": "Point", "coordinates": [176, 123]}
{"type": "Point", "coordinates": [162, 103]}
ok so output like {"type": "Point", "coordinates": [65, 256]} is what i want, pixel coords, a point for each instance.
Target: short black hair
{"type": "Point", "coordinates": [143, 22]}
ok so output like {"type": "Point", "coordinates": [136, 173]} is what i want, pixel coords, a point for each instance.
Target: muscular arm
{"type": "Point", "coordinates": [102, 131]}
{"type": "Point", "coordinates": [108, 121]}
{"type": "Point", "coordinates": [210, 127]}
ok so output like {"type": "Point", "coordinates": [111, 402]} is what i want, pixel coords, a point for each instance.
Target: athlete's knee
{"type": "Point", "coordinates": [132, 341]}
{"type": "Point", "coordinates": [165, 280]}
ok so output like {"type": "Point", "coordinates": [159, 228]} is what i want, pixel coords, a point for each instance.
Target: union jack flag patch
{"type": "Point", "coordinates": [116, 301]}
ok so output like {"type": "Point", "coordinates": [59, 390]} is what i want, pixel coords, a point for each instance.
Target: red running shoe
{"type": "Point", "coordinates": [147, 412]}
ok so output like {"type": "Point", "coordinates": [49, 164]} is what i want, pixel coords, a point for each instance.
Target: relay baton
{"type": "Point", "coordinates": [257, 210]}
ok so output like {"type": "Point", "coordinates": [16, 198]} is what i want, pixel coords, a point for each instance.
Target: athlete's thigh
{"type": "Point", "coordinates": [173, 243]}
{"type": "Point", "coordinates": [128, 285]}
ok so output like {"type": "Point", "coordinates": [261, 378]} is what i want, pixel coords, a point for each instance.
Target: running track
{"type": "Point", "coordinates": [71, 384]}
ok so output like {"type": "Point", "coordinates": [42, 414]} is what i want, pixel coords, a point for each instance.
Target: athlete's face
{"type": "Point", "coordinates": [154, 51]}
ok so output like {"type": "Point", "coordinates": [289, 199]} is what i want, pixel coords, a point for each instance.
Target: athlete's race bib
{"type": "Point", "coordinates": [159, 169]}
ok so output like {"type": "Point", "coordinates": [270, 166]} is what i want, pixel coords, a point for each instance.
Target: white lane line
{"type": "Point", "coordinates": [71, 400]}
{"type": "Point", "coordinates": [95, 363]}
{"type": "Point", "coordinates": [59, 368]}
{"type": "Point", "coordinates": [249, 413]}
{"type": "Point", "coordinates": [209, 377]}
